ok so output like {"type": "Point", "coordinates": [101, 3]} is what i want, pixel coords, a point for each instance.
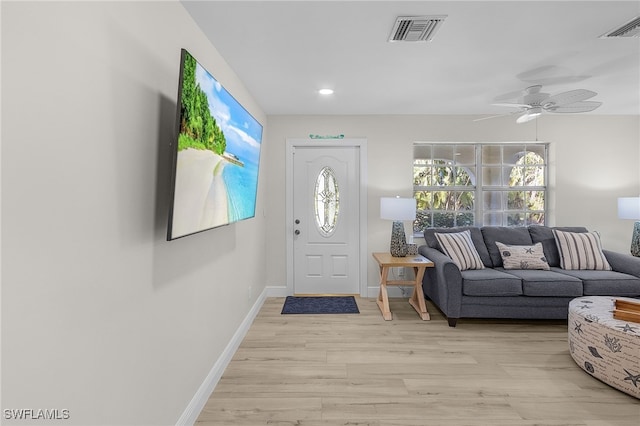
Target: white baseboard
{"type": "Point", "coordinates": [280, 291]}
{"type": "Point", "coordinates": [197, 403]}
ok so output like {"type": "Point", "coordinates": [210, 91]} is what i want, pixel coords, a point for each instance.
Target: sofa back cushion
{"type": "Point", "coordinates": [511, 236]}
{"type": "Point", "coordinates": [544, 235]}
{"type": "Point", "coordinates": [476, 237]}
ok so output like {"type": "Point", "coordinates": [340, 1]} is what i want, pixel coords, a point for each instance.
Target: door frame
{"type": "Point", "coordinates": [361, 144]}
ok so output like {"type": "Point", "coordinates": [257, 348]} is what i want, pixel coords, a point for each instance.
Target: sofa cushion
{"type": "Point", "coordinates": [605, 283]}
{"type": "Point", "coordinates": [548, 283]}
{"type": "Point", "coordinates": [580, 250]}
{"type": "Point", "coordinates": [544, 235]}
{"type": "Point", "coordinates": [490, 282]}
{"type": "Point", "coordinates": [476, 237]}
{"type": "Point", "coordinates": [523, 257]}
{"type": "Point", "coordinates": [459, 247]}
{"type": "Point", "coordinates": [506, 235]}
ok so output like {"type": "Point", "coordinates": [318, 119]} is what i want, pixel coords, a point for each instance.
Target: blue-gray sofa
{"type": "Point", "coordinates": [494, 292]}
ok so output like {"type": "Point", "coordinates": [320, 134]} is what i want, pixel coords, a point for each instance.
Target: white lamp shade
{"type": "Point", "coordinates": [629, 208]}
{"type": "Point", "coordinates": [396, 208]}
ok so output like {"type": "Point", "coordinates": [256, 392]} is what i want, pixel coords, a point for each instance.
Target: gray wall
{"type": "Point", "coordinates": [593, 161]}
{"type": "Point", "coordinates": [100, 314]}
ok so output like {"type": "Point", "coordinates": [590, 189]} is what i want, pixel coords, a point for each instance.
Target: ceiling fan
{"type": "Point", "coordinates": [532, 103]}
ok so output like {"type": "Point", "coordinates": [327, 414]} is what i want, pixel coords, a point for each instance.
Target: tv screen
{"type": "Point", "coordinates": [216, 156]}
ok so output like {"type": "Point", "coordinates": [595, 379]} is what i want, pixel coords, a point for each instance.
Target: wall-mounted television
{"type": "Point", "coordinates": [216, 155]}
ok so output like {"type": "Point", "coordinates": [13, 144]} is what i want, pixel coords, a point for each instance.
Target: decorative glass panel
{"type": "Point", "coordinates": [491, 154]}
{"type": "Point", "coordinates": [327, 201]}
{"type": "Point", "coordinates": [515, 219]}
{"type": "Point", "coordinates": [421, 176]}
{"type": "Point", "coordinates": [492, 200]}
{"type": "Point", "coordinates": [465, 154]}
{"type": "Point", "coordinates": [492, 176]}
{"type": "Point", "coordinates": [515, 200]}
{"type": "Point", "coordinates": [513, 154]}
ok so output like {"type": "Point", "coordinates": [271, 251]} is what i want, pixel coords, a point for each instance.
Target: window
{"type": "Point", "coordinates": [479, 184]}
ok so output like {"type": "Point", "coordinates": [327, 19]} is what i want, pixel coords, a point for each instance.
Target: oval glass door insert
{"type": "Point", "coordinates": [327, 201]}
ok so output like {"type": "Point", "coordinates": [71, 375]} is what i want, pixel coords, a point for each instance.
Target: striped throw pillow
{"type": "Point", "coordinates": [580, 250]}
{"type": "Point", "coordinates": [459, 247]}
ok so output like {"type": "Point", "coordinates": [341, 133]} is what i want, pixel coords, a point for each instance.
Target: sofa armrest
{"type": "Point", "coordinates": [442, 283]}
{"type": "Point", "coordinates": [625, 263]}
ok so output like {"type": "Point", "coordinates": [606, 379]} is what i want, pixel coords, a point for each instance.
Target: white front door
{"type": "Point", "coordinates": [326, 213]}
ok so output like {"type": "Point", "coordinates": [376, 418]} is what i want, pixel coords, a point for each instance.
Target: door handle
{"type": "Point", "coordinates": [297, 232]}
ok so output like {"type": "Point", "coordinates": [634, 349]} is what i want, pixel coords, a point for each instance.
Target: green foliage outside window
{"type": "Point", "coordinates": [528, 172]}
{"type": "Point", "coordinates": [447, 203]}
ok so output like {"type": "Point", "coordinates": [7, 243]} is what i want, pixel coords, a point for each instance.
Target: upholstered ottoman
{"type": "Point", "coordinates": [605, 347]}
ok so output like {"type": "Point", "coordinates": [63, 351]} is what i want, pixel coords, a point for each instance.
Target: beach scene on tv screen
{"type": "Point", "coordinates": [218, 155]}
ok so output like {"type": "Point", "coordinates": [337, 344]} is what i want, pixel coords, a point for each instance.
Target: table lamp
{"type": "Point", "coordinates": [629, 208]}
{"type": "Point", "coordinates": [398, 210]}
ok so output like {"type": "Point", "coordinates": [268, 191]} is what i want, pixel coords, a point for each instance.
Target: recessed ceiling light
{"type": "Point", "coordinates": [326, 91]}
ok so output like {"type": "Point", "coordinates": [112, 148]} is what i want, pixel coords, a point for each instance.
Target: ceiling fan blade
{"type": "Point", "coordinates": [498, 115]}
{"type": "Point", "coordinates": [512, 105]}
{"type": "Point", "coordinates": [509, 96]}
{"type": "Point", "coordinates": [490, 117]}
{"type": "Point", "coordinates": [576, 107]}
{"type": "Point", "coordinates": [566, 98]}
{"type": "Point", "coordinates": [522, 95]}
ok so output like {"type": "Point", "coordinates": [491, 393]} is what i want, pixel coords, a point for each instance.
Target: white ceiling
{"type": "Point", "coordinates": [284, 51]}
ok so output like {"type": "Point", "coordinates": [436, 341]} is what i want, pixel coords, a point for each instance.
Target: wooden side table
{"type": "Point", "coordinates": [419, 264]}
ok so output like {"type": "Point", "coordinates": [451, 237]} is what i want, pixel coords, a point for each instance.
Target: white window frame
{"type": "Point", "coordinates": [476, 174]}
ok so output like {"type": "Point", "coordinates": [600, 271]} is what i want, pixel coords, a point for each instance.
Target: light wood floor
{"type": "Point", "coordinates": [313, 370]}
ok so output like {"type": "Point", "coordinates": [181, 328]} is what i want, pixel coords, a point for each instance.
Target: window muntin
{"type": "Point", "coordinates": [508, 181]}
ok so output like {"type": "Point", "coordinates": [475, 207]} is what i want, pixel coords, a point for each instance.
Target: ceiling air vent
{"type": "Point", "coordinates": [630, 29]}
{"type": "Point", "coordinates": [416, 28]}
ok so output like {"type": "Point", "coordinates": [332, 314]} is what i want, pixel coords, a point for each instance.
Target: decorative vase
{"type": "Point", "coordinates": [398, 240]}
{"type": "Point", "coordinates": [412, 249]}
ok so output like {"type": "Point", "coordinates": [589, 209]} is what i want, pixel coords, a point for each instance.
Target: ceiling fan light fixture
{"type": "Point", "coordinates": [529, 115]}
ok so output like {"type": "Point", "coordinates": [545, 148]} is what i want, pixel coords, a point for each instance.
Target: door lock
{"type": "Point", "coordinates": [297, 221]}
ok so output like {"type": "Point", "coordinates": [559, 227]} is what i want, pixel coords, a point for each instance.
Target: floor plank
{"type": "Point", "coordinates": [319, 370]}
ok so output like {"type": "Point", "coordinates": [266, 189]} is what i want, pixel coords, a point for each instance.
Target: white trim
{"type": "Point", "coordinates": [279, 291]}
{"type": "Point", "coordinates": [328, 143]}
{"type": "Point", "coordinates": [197, 403]}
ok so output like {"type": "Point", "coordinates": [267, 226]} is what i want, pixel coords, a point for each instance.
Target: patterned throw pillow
{"type": "Point", "coordinates": [459, 247]}
{"type": "Point", "coordinates": [523, 257]}
{"type": "Point", "coordinates": [580, 250]}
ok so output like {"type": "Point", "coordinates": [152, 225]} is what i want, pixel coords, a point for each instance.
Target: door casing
{"type": "Point", "coordinates": [361, 144]}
